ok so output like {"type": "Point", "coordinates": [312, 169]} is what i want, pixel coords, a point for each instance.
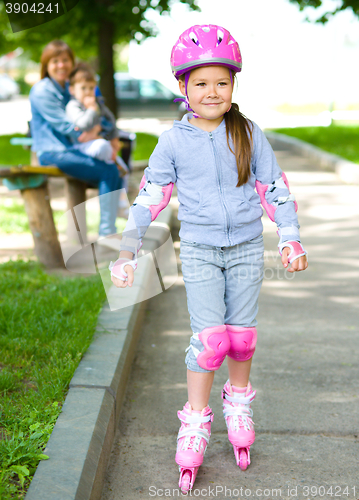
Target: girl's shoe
{"type": "Point", "coordinates": [238, 415]}
{"type": "Point", "coordinates": [192, 441]}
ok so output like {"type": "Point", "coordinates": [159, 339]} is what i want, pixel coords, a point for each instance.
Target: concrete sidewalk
{"type": "Point", "coordinates": [305, 371]}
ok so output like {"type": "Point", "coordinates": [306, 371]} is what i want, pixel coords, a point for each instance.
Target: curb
{"type": "Point", "coordinates": [348, 171]}
{"type": "Point", "coordinates": [80, 444]}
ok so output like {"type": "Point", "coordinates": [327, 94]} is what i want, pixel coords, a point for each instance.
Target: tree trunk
{"type": "Point", "coordinates": [41, 221]}
{"type": "Point", "coordinates": [76, 211]}
{"type": "Point", "coordinates": [106, 67]}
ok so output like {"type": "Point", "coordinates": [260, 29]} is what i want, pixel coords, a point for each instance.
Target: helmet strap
{"type": "Point", "coordinates": [186, 79]}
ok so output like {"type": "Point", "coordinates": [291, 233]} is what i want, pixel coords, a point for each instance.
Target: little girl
{"type": "Point", "coordinates": [217, 158]}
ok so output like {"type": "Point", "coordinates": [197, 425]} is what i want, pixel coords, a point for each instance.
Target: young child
{"type": "Point", "coordinates": [87, 112]}
{"type": "Point", "coordinates": [217, 158]}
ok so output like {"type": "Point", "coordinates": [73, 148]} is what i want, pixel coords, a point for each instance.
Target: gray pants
{"type": "Point", "coordinates": [222, 286]}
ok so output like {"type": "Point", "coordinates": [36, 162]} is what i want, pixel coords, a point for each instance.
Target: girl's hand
{"type": "Point", "coordinates": [299, 264]}
{"type": "Point", "coordinates": [130, 277]}
{"type": "Point", "coordinates": [127, 268]}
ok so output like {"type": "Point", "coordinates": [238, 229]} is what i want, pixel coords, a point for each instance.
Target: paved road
{"type": "Point", "coordinates": [16, 112]}
{"type": "Point", "coordinates": [305, 371]}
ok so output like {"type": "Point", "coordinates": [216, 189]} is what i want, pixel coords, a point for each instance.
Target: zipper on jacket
{"type": "Point", "coordinates": [226, 213]}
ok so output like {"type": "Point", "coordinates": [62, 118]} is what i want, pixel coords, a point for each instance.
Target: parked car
{"type": "Point", "coordinates": [144, 98]}
{"type": "Point", "coordinates": [8, 87]}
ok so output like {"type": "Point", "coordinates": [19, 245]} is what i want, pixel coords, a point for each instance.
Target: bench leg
{"type": "Point", "coordinates": [41, 221]}
{"type": "Point", "coordinates": [76, 195]}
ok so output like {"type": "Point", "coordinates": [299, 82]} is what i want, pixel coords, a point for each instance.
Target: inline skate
{"type": "Point", "coordinates": [192, 441]}
{"type": "Point", "coordinates": [238, 415]}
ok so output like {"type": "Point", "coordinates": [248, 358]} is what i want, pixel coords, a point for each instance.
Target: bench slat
{"type": "Point", "coordinates": [14, 171]}
{"type": "Point", "coordinates": [21, 141]}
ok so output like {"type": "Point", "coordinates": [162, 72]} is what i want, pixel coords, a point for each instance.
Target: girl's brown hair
{"type": "Point", "coordinates": [240, 129]}
{"type": "Point", "coordinates": [54, 49]}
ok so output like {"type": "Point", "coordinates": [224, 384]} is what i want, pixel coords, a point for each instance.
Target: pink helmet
{"type": "Point", "coordinates": [205, 45]}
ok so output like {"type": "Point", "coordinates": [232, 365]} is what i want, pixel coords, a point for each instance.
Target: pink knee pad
{"type": "Point", "coordinates": [216, 345]}
{"type": "Point", "coordinates": [243, 342]}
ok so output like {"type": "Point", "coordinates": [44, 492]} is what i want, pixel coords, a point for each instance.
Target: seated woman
{"type": "Point", "coordinates": [54, 136]}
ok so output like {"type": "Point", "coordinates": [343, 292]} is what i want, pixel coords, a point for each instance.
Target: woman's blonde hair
{"type": "Point", "coordinates": [54, 49]}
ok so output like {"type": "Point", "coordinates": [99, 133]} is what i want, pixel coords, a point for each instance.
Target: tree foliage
{"type": "Point", "coordinates": [80, 26]}
{"type": "Point", "coordinates": [91, 28]}
{"type": "Point", "coordinates": [343, 5]}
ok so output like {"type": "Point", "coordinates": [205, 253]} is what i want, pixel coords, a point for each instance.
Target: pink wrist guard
{"type": "Point", "coordinates": [296, 248]}
{"type": "Point", "coordinates": [117, 268]}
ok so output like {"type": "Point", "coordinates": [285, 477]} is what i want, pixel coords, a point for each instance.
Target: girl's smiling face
{"type": "Point", "coordinates": [209, 92]}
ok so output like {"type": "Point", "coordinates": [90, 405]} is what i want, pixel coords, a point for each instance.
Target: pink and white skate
{"type": "Point", "coordinates": [193, 438]}
{"type": "Point", "coordinates": [238, 415]}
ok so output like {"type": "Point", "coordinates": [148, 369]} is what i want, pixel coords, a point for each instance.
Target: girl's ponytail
{"type": "Point", "coordinates": [239, 128]}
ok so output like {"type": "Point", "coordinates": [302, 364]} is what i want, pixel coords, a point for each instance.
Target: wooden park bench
{"type": "Point", "coordinates": [38, 208]}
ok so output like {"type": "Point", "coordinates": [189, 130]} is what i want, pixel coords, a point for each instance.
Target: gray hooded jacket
{"type": "Point", "coordinates": [212, 210]}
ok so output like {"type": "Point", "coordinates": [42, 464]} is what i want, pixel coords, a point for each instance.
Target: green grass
{"type": "Point", "coordinates": [13, 216]}
{"type": "Point", "coordinates": [15, 155]}
{"type": "Point", "coordinates": [338, 139]}
{"type": "Point", "coordinates": [46, 324]}
{"type": "Point", "coordinates": [14, 219]}
{"type": "Point", "coordinates": [12, 155]}
{"type": "Point", "coordinates": [145, 144]}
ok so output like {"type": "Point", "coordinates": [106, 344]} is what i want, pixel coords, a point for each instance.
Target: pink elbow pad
{"type": "Point", "coordinates": [158, 199]}
{"type": "Point", "coordinates": [263, 188]}
{"type": "Point", "coordinates": [143, 182]}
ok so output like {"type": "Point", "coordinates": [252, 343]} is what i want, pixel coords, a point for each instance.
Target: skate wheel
{"type": "Point", "coordinates": [243, 459]}
{"type": "Point", "coordinates": [185, 481]}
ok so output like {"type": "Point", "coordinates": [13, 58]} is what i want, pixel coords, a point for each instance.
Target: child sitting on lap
{"type": "Point", "coordinates": [86, 112]}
